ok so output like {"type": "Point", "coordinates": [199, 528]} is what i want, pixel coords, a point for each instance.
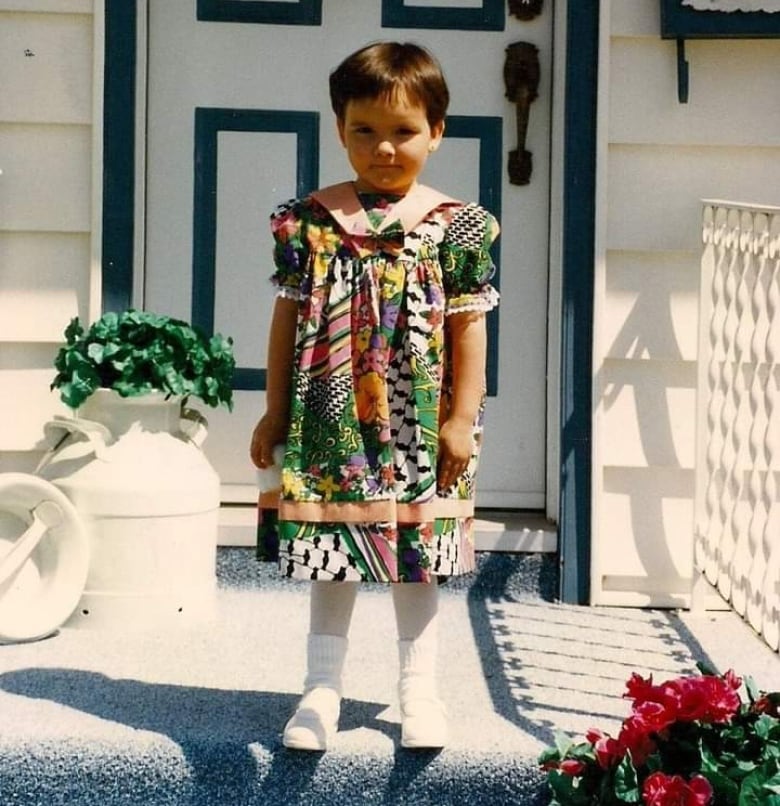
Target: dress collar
{"type": "Point", "coordinates": [344, 205]}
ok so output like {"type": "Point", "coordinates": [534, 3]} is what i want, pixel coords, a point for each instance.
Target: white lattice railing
{"type": "Point", "coordinates": [737, 500]}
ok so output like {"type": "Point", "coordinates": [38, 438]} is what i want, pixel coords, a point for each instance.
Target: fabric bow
{"type": "Point", "coordinates": [390, 240]}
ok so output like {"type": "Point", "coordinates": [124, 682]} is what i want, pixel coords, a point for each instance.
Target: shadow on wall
{"type": "Point", "coordinates": [647, 382]}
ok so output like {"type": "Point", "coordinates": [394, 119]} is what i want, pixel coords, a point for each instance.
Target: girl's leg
{"type": "Point", "coordinates": [330, 607]}
{"type": "Point", "coordinates": [315, 720]}
{"type": "Point", "coordinates": [423, 718]}
{"type": "Point", "coordinates": [416, 607]}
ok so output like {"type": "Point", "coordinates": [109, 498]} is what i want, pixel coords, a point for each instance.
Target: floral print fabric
{"type": "Point", "coordinates": [370, 383]}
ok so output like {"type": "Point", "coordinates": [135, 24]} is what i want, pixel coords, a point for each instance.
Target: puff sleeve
{"type": "Point", "coordinates": [290, 251]}
{"type": "Point", "coordinates": [467, 266]}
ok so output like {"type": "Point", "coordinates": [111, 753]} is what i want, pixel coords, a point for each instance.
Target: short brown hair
{"type": "Point", "coordinates": [391, 69]}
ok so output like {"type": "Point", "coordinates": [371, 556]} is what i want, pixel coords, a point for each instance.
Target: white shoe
{"type": "Point", "coordinates": [423, 715]}
{"type": "Point", "coordinates": [315, 721]}
{"type": "Point", "coordinates": [423, 724]}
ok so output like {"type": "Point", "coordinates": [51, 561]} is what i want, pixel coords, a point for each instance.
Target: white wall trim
{"type": "Point", "coordinates": [96, 239]}
{"type": "Point", "coordinates": [599, 291]}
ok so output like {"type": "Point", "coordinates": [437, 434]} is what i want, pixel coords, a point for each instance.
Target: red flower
{"type": "Point", "coordinates": [609, 751]}
{"type": "Point", "coordinates": [687, 699]}
{"type": "Point", "coordinates": [641, 689]}
{"type": "Point", "coordinates": [673, 790]}
{"type": "Point", "coordinates": [654, 716]}
{"type": "Point", "coordinates": [708, 698]}
{"type": "Point", "coordinates": [765, 705]}
{"type": "Point", "coordinates": [635, 739]}
{"type": "Point", "coordinates": [571, 766]}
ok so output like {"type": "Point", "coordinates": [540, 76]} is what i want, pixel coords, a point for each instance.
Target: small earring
{"type": "Point", "coordinates": [431, 148]}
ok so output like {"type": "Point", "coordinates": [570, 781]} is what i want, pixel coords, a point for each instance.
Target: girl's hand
{"type": "Point", "coordinates": [269, 432]}
{"type": "Point", "coordinates": [455, 448]}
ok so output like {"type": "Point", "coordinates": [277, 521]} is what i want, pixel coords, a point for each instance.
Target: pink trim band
{"type": "Point", "coordinates": [366, 511]}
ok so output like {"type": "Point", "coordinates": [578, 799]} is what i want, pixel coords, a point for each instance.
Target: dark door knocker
{"type": "Point", "coordinates": [525, 9]}
{"type": "Point", "coordinates": [521, 77]}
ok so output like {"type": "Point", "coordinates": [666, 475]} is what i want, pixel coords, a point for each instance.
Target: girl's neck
{"type": "Point", "coordinates": [361, 188]}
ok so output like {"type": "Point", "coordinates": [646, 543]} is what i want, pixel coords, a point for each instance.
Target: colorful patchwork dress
{"type": "Point", "coordinates": [375, 278]}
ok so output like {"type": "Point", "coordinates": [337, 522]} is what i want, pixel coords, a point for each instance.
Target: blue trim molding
{"type": "Point", "coordinates": [208, 123]}
{"type": "Point", "coordinates": [489, 17]}
{"type": "Point", "coordinates": [488, 130]}
{"type": "Point", "coordinates": [118, 212]}
{"type": "Point", "coordinates": [303, 12]}
{"type": "Point", "coordinates": [579, 216]}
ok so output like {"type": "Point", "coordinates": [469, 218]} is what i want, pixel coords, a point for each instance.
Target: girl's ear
{"type": "Point", "coordinates": [340, 128]}
{"type": "Point", "coordinates": [437, 132]}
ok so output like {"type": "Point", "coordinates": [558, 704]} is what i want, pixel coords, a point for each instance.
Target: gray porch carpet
{"type": "Point", "coordinates": [193, 717]}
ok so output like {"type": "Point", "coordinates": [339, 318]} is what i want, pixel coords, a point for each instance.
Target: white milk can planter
{"type": "Point", "coordinates": [149, 500]}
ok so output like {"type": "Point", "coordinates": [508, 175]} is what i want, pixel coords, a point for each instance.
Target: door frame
{"type": "Point", "coordinates": [570, 266]}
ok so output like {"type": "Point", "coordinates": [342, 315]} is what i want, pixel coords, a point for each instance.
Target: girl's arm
{"type": "Point", "coordinates": [272, 428]}
{"type": "Point", "coordinates": [468, 344]}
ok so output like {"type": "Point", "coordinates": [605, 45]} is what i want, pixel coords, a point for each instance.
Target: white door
{"type": "Point", "coordinates": [239, 120]}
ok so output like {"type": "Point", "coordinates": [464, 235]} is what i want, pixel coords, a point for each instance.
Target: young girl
{"type": "Point", "coordinates": [376, 365]}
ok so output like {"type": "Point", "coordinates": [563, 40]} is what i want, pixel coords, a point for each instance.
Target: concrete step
{"type": "Point", "coordinates": [194, 716]}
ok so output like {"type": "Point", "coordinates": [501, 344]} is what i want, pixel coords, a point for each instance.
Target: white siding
{"type": "Point", "coordinates": [48, 6]}
{"type": "Point", "coordinates": [47, 137]}
{"type": "Point", "coordinates": [657, 159]}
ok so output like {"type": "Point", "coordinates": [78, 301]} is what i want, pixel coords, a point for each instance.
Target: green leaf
{"type": "Point", "coordinates": [81, 385]}
{"type": "Point", "coordinates": [626, 784]}
{"type": "Point", "coordinates": [757, 790]}
{"type": "Point", "coordinates": [705, 669]}
{"type": "Point", "coordinates": [567, 790]}
{"type": "Point", "coordinates": [73, 331]}
{"type": "Point", "coordinates": [726, 791]}
{"type": "Point", "coordinates": [765, 726]}
{"type": "Point", "coordinates": [548, 755]}
{"type": "Point", "coordinates": [773, 784]}
{"type": "Point", "coordinates": [751, 688]}
{"type": "Point", "coordinates": [96, 352]}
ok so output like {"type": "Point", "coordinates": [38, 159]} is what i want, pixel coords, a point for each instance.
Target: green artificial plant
{"type": "Point", "coordinates": [137, 353]}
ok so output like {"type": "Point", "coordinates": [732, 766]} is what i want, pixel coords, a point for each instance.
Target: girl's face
{"type": "Point", "coordinates": [388, 142]}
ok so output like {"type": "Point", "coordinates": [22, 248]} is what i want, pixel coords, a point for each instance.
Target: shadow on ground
{"type": "Point", "coordinates": [226, 746]}
{"type": "Point", "coordinates": [555, 668]}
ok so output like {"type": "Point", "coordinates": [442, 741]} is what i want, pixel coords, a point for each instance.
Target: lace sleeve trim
{"type": "Point", "coordinates": [484, 300]}
{"type": "Point", "coordinates": [285, 292]}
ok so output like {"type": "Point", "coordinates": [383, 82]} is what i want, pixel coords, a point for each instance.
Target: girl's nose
{"type": "Point", "coordinates": [385, 147]}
